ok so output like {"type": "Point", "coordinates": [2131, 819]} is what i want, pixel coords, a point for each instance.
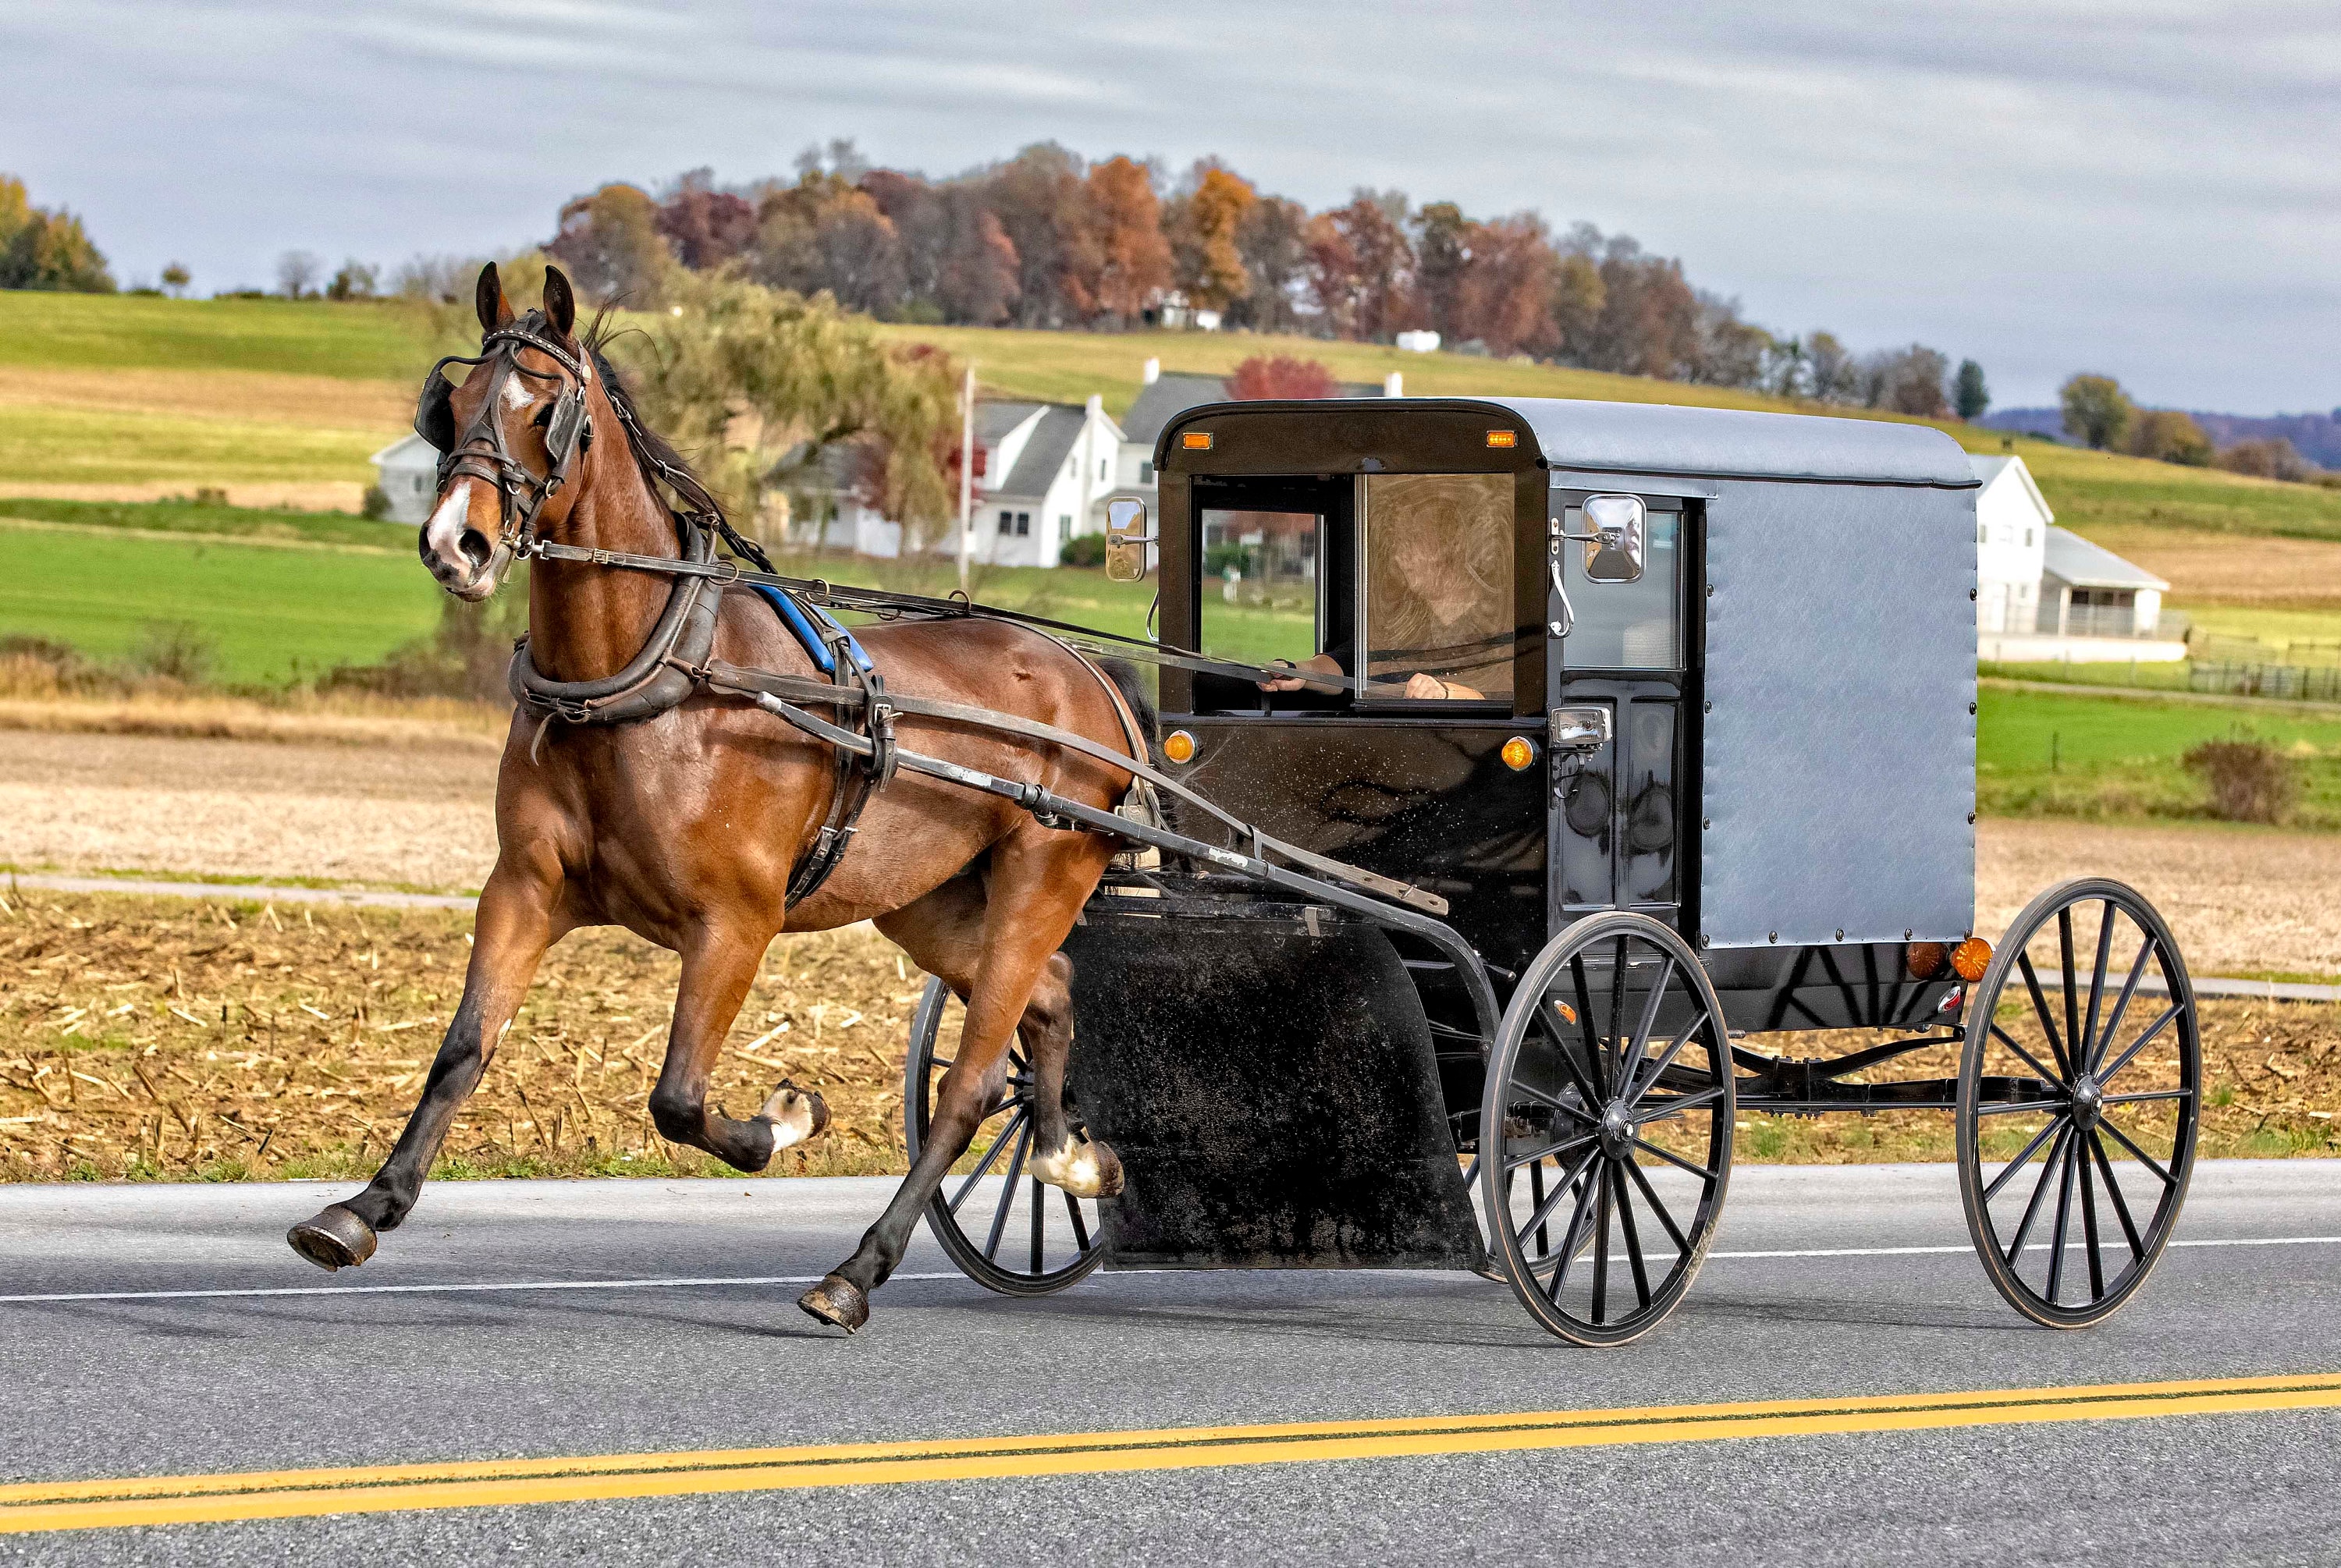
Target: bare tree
{"type": "Point", "coordinates": [297, 273]}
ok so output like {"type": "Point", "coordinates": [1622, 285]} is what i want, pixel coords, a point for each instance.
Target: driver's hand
{"type": "Point", "coordinates": [1428, 687]}
{"type": "Point", "coordinates": [1284, 683]}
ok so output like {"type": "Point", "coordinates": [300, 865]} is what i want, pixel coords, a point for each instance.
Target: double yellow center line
{"type": "Point", "coordinates": [294, 1494]}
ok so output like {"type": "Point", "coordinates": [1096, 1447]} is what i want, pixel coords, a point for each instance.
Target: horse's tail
{"type": "Point", "coordinates": [1132, 686]}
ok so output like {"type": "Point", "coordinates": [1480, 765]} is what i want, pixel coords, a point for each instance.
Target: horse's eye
{"type": "Point", "coordinates": [543, 420]}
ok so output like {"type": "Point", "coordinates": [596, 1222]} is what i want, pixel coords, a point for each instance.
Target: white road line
{"type": "Point", "coordinates": [717, 1282]}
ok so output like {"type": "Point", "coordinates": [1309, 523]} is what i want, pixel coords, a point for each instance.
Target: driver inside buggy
{"type": "Point", "coordinates": [1436, 586]}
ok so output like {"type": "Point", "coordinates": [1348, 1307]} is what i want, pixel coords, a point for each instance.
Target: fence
{"type": "Point", "coordinates": [2117, 621]}
{"type": "Point", "coordinates": [2295, 682]}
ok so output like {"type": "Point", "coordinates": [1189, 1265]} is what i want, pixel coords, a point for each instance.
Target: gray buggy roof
{"type": "Point", "coordinates": [1737, 443]}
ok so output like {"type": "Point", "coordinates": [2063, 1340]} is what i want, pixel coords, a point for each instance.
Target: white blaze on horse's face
{"type": "Point", "coordinates": [455, 547]}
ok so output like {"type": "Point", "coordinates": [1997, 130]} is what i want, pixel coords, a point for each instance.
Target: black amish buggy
{"type": "Point", "coordinates": [1615, 736]}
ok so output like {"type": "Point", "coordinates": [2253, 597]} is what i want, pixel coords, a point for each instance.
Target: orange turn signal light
{"type": "Point", "coordinates": [1503, 438]}
{"type": "Point", "coordinates": [1568, 1013]}
{"type": "Point", "coordinates": [1179, 746]}
{"type": "Point", "coordinates": [1971, 958]}
{"type": "Point", "coordinates": [1519, 752]}
{"type": "Point", "coordinates": [1196, 440]}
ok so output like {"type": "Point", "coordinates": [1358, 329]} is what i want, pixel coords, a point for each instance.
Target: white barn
{"type": "Point", "coordinates": [409, 468]}
{"type": "Point", "coordinates": [2044, 593]}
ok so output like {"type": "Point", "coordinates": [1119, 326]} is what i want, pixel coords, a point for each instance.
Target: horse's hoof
{"type": "Point", "coordinates": [797, 1115]}
{"type": "Point", "coordinates": [1084, 1167]}
{"type": "Point", "coordinates": [837, 1302]}
{"type": "Point", "coordinates": [337, 1238]}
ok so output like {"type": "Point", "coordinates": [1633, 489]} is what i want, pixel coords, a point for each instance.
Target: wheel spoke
{"type": "Point", "coordinates": [1545, 1205]}
{"type": "Point", "coordinates": [2085, 1041]}
{"type": "Point", "coordinates": [2009, 1108]}
{"type": "Point", "coordinates": [1585, 1024]}
{"type": "Point", "coordinates": [2114, 1191]}
{"type": "Point", "coordinates": [1650, 1194]}
{"type": "Point", "coordinates": [1006, 1195]}
{"type": "Point", "coordinates": [2070, 977]}
{"type": "Point", "coordinates": [2040, 1010]}
{"type": "Point", "coordinates": [1553, 1102]}
{"type": "Point", "coordinates": [2064, 1212]}
{"type": "Point", "coordinates": [2019, 1163]}
{"type": "Point", "coordinates": [1040, 1203]}
{"type": "Point", "coordinates": [1675, 1104]}
{"type": "Point", "coordinates": [2139, 1153]}
{"type": "Point", "coordinates": [1548, 1018]}
{"type": "Point", "coordinates": [992, 1154]}
{"type": "Point", "coordinates": [2121, 1003]}
{"type": "Point", "coordinates": [1600, 1302]}
{"type": "Point", "coordinates": [1568, 1238]}
{"type": "Point", "coordinates": [1625, 1205]}
{"type": "Point", "coordinates": [2145, 1095]}
{"type": "Point", "coordinates": [1634, 1092]}
{"type": "Point", "coordinates": [1649, 1021]}
{"type": "Point", "coordinates": [1675, 1160]}
{"type": "Point", "coordinates": [2139, 1043]}
{"type": "Point", "coordinates": [1617, 1037]}
{"type": "Point", "coordinates": [2089, 1220]}
{"type": "Point", "coordinates": [1551, 1151]}
{"type": "Point", "coordinates": [2029, 1060]}
{"type": "Point", "coordinates": [1536, 1196]}
{"type": "Point", "coordinates": [1080, 1227]}
{"type": "Point", "coordinates": [2039, 1193]}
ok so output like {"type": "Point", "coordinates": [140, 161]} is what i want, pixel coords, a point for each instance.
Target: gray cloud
{"type": "Point", "coordinates": [2149, 190]}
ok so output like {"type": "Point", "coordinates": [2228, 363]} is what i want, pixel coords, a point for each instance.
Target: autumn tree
{"type": "Point", "coordinates": [1727, 351]}
{"type": "Point", "coordinates": [1833, 374]}
{"type": "Point", "coordinates": [704, 226]}
{"type": "Point", "coordinates": [2168, 435]}
{"type": "Point", "coordinates": [1040, 200]}
{"type": "Point", "coordinates": [2275, 458]}
{"type": "Point", "coordinates": [1578, 297]}
{"type": "Point", "coordinates": [1508, 288]}
{"type": "Point", "coordinates": [1362, 267]}
{"type": "Point", "coordinates": [1908, 381]}
{"type": "Point", "coordinates": [1442, 256]}
{"type": "Point", "coordinates": [1134, 259]}
{"type": "Point", "coordinates": [822, 236]}
{"type": "Point", "coordinates": [2097, 411]}
{"type": "Point", "coordinates": [1280, 376]}
{"type": "Point", "coordinates": [1272, 242]}
{"type": "Point", "coordinates": [610, 244]}
{"type": "Point", "coordinates": [176, 278]}
{"type": "Point", "coordinates": [1205, 224]}
{"type": "Point", "coordinates": [40, 249]}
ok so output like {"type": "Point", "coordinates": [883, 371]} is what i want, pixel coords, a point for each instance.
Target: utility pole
{"type": "Point", "coordinates": [966, 471]}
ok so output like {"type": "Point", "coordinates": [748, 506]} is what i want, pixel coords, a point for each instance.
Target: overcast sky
{"type": "Point", "coordinates": [2150, 190]}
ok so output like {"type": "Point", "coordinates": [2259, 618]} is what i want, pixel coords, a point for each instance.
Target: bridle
{"type": "Point", "coordinates": [479, 451]}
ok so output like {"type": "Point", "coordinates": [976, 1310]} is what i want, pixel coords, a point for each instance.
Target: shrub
{"type": "Point", "coordinates": [174, 650]}
{"type": "Point", "coordinates": [1084, 549]}
{"type": "Point", "coordinates": [376, 504]}
{"type": "Point", "coordinates": [2248, 780]}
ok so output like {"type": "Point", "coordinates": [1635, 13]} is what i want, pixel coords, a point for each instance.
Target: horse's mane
{"type": "Point", "coordinates": [651, 448]}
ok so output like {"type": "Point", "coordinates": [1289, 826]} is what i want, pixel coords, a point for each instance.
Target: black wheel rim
{"type": "Point", "coordinates": [1606, 1130]}
{"type": "Point", "coordinates": [2080, 1093]}
{"type": "Point", "coordinates": [1005, 1230]}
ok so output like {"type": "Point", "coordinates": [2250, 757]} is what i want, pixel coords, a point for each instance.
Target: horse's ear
{"type": "Point", "coordinates": [495, 310]}
{"type": "Point", "coordinates": [559, 303]}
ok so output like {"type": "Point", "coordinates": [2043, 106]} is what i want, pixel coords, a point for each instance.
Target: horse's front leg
{"type": "Point", "coordinates": [718, 968]}
{"type": "Point", "coordinates": [516, 922]}
{"type": "Point", "coordinates": [1083, 1166]}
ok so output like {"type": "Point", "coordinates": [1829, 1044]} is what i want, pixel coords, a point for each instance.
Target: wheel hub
{"type": "Point", "coordinates": [1616, 1132]}
{"type": "Point", "coordinates": [2088, 1103]}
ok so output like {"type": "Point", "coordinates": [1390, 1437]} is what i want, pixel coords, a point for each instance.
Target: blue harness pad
{"type": "Point", "coordinates": [794, 616]}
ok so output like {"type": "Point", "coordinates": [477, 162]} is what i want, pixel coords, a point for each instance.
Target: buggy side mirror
{"type": "Point", "coordinates": [1126, 540]}
{"type": "Point", "coordinates": [1620, 542]}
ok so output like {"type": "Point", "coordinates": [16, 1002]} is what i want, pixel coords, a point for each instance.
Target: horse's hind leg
{"type": "Point", "coordinates": [1039, 882]}
{"type": "Point", "coordinates": [514, 925]}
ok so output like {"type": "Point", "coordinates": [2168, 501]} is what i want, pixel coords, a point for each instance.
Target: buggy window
{"type": "Point", "coordinates": [1260, 584]}
{"type": "Point", "coordinates": [1438, 581]}
{"type": "Point", "coordinates": [1623, 625]}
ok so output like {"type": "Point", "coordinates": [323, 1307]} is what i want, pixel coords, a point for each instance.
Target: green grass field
{"type": "Point", "coordinates": [74, 446]}
{"type": "Point", "coordinates": [273, 613]}
{"type": "Point", "coordinates": [370, 341]}
{"type": "Point", "coordinates": [193, 517]}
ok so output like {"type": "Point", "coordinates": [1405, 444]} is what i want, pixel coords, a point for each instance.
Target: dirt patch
{"type": "Point", "coordinates": [163, 1039]}
{"type": "Point", "coordinates": [2207, 568]}
{"type": "Point", "coordinates": [2242, 901]}
{"type": "Point", "coordinates": [420, 816]}
{"type": "Point", "coordinates": [168, 1038]}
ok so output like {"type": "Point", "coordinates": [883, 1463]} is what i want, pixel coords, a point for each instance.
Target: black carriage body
{"type": "Point", "coordinates": [1765, 741]}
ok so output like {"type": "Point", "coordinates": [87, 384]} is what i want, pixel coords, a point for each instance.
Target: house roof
{"type": "Point", "coordinates": [1992, 470]}
{"type": "Point", "coordinates": [1045, 451]}
{"type": "Point", "coordinates": [2074, 560]}
{"type": "Point", "coordinates": [407, 452]}
{"type": "Point", "coordinates": [995, 421]}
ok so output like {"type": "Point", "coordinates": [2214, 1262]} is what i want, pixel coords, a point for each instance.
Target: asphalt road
{"type": "Point", "coordinates": [127, 1384]}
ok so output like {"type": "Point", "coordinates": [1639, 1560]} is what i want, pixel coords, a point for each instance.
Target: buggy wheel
{"type": "Point", "coordinates": [1005, 1230]}
{"type": "Point", "coordinates": [1605, 1141]}
{"type": "Point", "coordinates": [2080, 1093]}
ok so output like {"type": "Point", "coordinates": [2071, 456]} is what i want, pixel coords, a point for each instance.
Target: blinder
{"type": "Point", "coordinates": [435, 411]}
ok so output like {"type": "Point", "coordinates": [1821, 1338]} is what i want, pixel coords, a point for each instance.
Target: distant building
{"type": "Point", "coordinates": [1047, 469]}
{"type": "Point", "coordinates": [409, 467]}
{"type": "Point", "coordinates": [1163, 398]}
{"type": "Point", "coordinates": [2044, 593]}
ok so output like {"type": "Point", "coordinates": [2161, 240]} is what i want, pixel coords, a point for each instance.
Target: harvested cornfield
{"type": "Point", "coordinates": [169, 1038]}
{"type": "Point", "coordinates": [174, 1038]}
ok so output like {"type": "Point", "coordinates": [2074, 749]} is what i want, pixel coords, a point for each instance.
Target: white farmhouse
{"type": "Point", "coordinates": [409, 467]}
{"type": "Point", "coordinates": [1046, 470]}
{"type": "Point", "coordinates": [2044, 593]}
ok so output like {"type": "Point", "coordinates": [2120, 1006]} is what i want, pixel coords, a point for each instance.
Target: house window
{"type": "Point", "coordinates": [1024, 524]}
{"type": "Point", "coordinates": [1102, 471]}
{"type": "Point", "coordinates": [1145, 470]}
{"type": "Point", "coordinates": [1007, 523]}
{"type": "Point", "coordinates": [1064, 527]}
{"type": "Point", "coordinates": [2027, 538]}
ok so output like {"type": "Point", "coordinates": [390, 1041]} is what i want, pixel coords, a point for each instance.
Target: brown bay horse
{"type": "Point", "coordinates": [684, 828]}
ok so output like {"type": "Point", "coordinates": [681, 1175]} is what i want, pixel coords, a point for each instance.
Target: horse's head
{"type": "Point", "coordinates": [513, 434]}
